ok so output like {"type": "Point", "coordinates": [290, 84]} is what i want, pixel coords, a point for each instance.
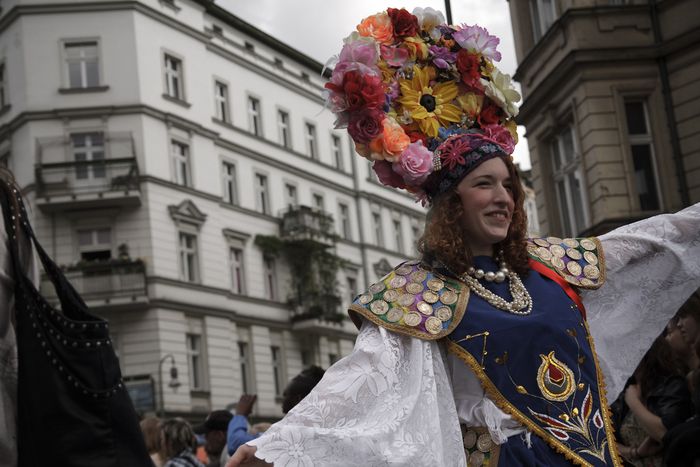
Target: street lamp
{"type": "Point", "coordinates": [174, 383]}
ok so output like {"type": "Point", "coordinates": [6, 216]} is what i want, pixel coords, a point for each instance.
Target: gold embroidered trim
{"type": "Point", "coordinates": [503, 403]}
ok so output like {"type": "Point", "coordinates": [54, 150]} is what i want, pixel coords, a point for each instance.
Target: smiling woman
{"type": "Point", "coordinates": [479, 352]}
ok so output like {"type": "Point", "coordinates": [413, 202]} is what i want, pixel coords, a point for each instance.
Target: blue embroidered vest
{"type": "Point", "coordinates": [539, 368]}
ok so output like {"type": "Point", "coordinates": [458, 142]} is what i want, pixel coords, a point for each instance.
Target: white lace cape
{"type": "Point", "coordinates": [397, 400]}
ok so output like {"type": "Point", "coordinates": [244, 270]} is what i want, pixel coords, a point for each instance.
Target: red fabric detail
{"type": "Point", "coordinates": [545, 271]}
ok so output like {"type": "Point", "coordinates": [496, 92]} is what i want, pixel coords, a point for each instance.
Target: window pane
{"type": "Point", "coordinates": [644, 177]}
{"type": "Point", "coordinates": [636, 120]}
{"type": "Point", "coordinates": [564, 208]}
{"type": "Point", "coordinates": [92, 73]}
{"type": "Point", "coordinates": [577, 200]}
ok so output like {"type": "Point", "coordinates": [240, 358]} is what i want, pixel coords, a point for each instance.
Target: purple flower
{"type": "Point", "coordinates": [477, 39]}
{"type": "Point", "coordinates": [442, 57]}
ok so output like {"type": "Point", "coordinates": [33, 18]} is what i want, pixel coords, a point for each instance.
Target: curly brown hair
{"type": "Point", "coordinates": [445, 240]}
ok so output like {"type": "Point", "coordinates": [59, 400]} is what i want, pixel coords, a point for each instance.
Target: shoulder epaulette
{"type": "Point", "coordinates": [579, 261]}
{"type": "Point", "coordinates": [413, 300]}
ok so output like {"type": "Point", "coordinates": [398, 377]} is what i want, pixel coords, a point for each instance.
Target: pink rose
{"type": "Point", "coordinates": [394, 56]}
{"type": "Point", "coordinates": [365, 125]}
{"type": "Point", "coordinates": [359, 51]}
{"type": "Point", "coordinates": [501, 136]}
{"type": "Point", "coordinates": [415, 164]}
{"type": "Point", "coordinates": [386, 175]}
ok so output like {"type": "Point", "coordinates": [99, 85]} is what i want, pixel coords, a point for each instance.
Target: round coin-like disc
{"type": "Point", "coordinates": [484, 443]}
{"type": "Point", "coordinates": [574, 254]}
{"type": "Point", "coordinates": [379, 307]}
{"type": "Point", "coordinates": [470, 439]}
{"type": "Point", "coordinates": [394, 315]}
{"type": "Point", "coordinates": [571, 242]}
{"type": "Point", "coordinates": [557, 250]}
{"type": "Point", "coordinates": [391, 295]}
{"type": "Point", "coordinates": [435, 284]}
{"type": "Point", "coordinates": [419, 276]}
{"type": "Point", "coordinates": [591, 272]}
{"type": "Point", "coordinates": [574, 268]}
{"type": "Point", "coordinates": [425, 308]}
{"type": "Point", "coordinates": [541, 242]}
{"type": "Point", "coordinates": [554, 240]}
{"type": "Point", "coordinates": [444, 313]}
{"type": "Point", "coordinates": [476, 459]}
{"type": "Point", "coordinates": [558, 263]}
{"type": "Point", "coordinates": [588, 244]}
{"type": "Point", "coordinates": [544, 253]}
{"type": "Point", "coordinates": [376, 288]}
{"type": "Point", "coordinates": [397, 282]}
{"type": "Point", "coordinates": [404, 270]}
{"type": "Point", "coordinates": [433, 325]}
{"type": "Point", "coordinates": [430, 297]}
{"type": "Point", "coordinates": [414, 288]}
{"type": "Point", "coordinates": [590, 258]}
{"type": "Point", "coordinates": [365, 298]}
{"type": "Point", "coordinates": [448, 297]}
{"type": "Point", "coordinates": [412, 319]}
{"type": "Point", "coordinates": [406, 299]}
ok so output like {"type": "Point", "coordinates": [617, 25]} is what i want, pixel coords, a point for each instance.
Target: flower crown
{"type": "Point", "coordinates": [416, 94]}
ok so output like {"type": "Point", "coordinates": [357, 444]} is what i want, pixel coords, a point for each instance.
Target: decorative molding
{"type": "Point", "coordinates": [382, 267]}
{"type": "Point", "coordinates": [87, 90]}
{"type": "Point", "coordinates": [187, 212]}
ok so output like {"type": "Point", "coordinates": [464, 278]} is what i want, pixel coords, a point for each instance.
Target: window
{"type": "Point", "coordinates": [332, 358]}
{"type": "Point", "coordinates": [642, 151]}
{"type": "Point", "coordinates": [568, 178]}
{"type": "Point", "coordinates": [352, 288]}
{"type": "Point", "coordinates": [378, 231]}
{"type": "Point", "coordinates": [277, 368]}
{"type": "Point", "coordinates": [173, 77]}
{"type": "Point", "coordinates": [95, 244]}
{"type": "Point", "coordinates": [345, 221]}
{"type": "Point", "coordinates": [311, 149]}
{"type": "Point", "coordinates": [415, 231]}
{"type": "Point", "coordinates": [262, 197]}
{"type": "Point", "coordinates": [181, 162]}
{"type": "Point", "coordinates": [244, 357]}
{"type": "Point", "coordinates": [229, 183]}
{"type": "Point", "coordinates": [195, 361]}
{"type": "Point", "coordinates": [189, 268]}
{"type": "Point", "coordinates": [237, 271]}
{"type": "Point", "coordinates": [398, 235]}
{"type": "Point", "coordinates": [290, 194]}
{"type": "Point", "coordinates": [89, 155]}
{"type": "Point", "coordinates": [254, 121]}
{"type": "Point", "coordinates": [337, 152]}
{"type": "Point", "coordinates": [319, 202]}
{"type": "Point", "coordinates": [3, 86]}
{"type": "Point", "coordinates": [82, 64]}
{"type": "Point", "coordinates": [270, 278]}
{"type": "Point", "coordinates": [250, 47]}
{"type": "Point", "coordinates": [221, 101]}
{"type": "Point", "coordinates": [283, 126]}
{"type": "Point", "coordinates": [543, 15]}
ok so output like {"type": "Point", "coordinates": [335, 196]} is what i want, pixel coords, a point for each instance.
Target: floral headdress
{"type": "Point", "coordinates": [423, 99]}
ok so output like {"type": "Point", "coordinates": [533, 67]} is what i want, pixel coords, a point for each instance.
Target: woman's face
{"type": "Point", "coordinates": [689, 329]}
{"type": "Point", "coordinates": [675, 339]}
{"type": "Point", "coordinates": [487, 199]}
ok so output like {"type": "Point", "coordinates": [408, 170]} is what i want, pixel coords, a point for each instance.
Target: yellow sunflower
{"type": "Point", "coordinates": [429, 106]}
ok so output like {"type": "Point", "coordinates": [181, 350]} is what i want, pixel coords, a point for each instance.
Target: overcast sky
{"type": "Point", "coordinates": [317, 27]}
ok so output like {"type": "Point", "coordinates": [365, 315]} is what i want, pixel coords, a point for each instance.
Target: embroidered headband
{"type": "Point", "coordinates": [423, 99]}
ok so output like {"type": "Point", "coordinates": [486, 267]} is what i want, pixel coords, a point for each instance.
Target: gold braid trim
{"type": "Point", "coordinates": [502, 403]}
{"type": "Point", "coordinates": [601, 263]}
{"type": "Point", "coordinates": [460, 308]}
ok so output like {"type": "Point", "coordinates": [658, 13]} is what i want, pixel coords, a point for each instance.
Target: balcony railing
{"type": "Point", "coordinates": [306, 223]}
{"type": "Point", "coordinates": [104, 282]}
{"type": "Point", "coordinates": [97, 168]}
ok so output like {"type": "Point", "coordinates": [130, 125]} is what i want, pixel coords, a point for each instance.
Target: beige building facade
{"type": "Point", "coordinates": [611, 104]}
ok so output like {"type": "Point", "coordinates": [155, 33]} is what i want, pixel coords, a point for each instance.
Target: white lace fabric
{"type": "Point", "coordinates": [398, 400]}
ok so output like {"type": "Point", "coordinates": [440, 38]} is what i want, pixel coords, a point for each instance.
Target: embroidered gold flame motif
{"type": "Point", "coordinates": [555, 379]}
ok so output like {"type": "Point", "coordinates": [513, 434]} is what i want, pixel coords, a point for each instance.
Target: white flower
{"type": "Point", "coordinates": [500, 89]}
{"type": "Point", "coordinates": [288, 450]}
{"type": "Point", "coordinates": [428, 19]}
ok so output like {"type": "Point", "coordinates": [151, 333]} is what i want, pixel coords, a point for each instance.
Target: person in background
{"type": "Point", "coordinates": [214, 430]}
{"type": "Point", "coordinates": [178, 443]}
{"type": "Point", "coordinates": [150, 427]}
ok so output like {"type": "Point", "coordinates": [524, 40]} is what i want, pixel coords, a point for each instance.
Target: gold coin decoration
{"type": "Point", "coordinates": [433, 325]}
{"type": "Point", "coordinates": [469, 439]}
{"type": "Point", "coordinates": [574, 268]}
{"type": "Point", "coordinates": [590, 258]}
{"type": "Point", "coordinates": [574, 254]}
{"type": "Point", "coordinates": [571, 279]}
{"type": "Point", "coordinates": [419, 276]}
{"type": "Point", "coordinates": [406, 299]}
{"type": "Point", "coordinates": [394, 315]}
{"type": "Point", "coordinates": [412, 319]}
{"type": "Point", "coordinates": [430, 296]}
{"type": "Point", "coordinates": [557, 251]}
{"type": "Point", "coordinates": [484, 443]}
{"type": "Point", "coordinates": [541, 242]}
{"type": "Point", "coordinates": [544, 253]}
{"type": "Point", "coordinates": [532, 249]}
{"type": "Point", "coordinates": [558, 263]}
{"type": "Point", "coordinates": [476, 459]}
{"type": "Point", "coordinates": [448, 297]}
{"type": "Point", "coordinates": [365, 298]}
{"type": "Point", "coordinates": [591, 272]}
{"type": "Point", "coordinates": [588, 244]}
{"type": "Point", "coordinates": [425, 308]}
{"type": "Point", "coordinates": [570, 242]}
{"type": "Point", "coordinates": [376, 288]}
{"type": "Point", "coordinates": [554, 240]}
{"type": "Point", "coordinates": [435, 284]}
{"type": "Point", "coordinates": [379, 307]}
{"type": "Point", "coordinates": [391, 295]}
{"type": "Point", "coordinates": [414, 288]}
{"type": "Point", "coordinates": [444, 313]}
{"type": "Point", "coordinates": [587, 282]}
{"type": "Point", "coordinates": [397, 282]}
{"type": "Point", "coordinates": [404, 270]}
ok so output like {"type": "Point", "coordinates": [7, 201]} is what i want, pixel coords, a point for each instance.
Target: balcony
{"type": "Point", "coordinates": [102, 283]}
{"type": "Point", "coordinates": [318, 314]}
{"type": "Point", "coordinates": [303, 223]}
{"type": "Point", "coordinates": [101, 172]}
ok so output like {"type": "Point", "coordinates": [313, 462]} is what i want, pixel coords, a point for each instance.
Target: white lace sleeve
{"type": "Point", "coordinates": [388, 403]}
{"type": "Point", "coordinates": [652, 268]}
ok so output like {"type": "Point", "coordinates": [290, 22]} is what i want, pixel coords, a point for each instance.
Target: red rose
{"type": "Point", "coordinates": [469, 65]}
{"type": "Point", "coordinates": [386, 174]}
{"type": "Point", "coordinates": [418, 136]}
{"type": "Point", "coordinates": [373, 92]}
{"type": "Point", "coordinates": [363, 92]}
{"type": "Point", "coordinates": [366, 125]}
{"type": "Point", "coordinates": [490, 114]}
{"type": "Point", "coordinates": [405, 24]}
